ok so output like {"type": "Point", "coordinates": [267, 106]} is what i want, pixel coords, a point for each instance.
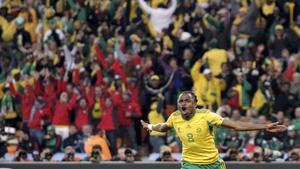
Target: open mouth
{"type": "Point", "coordinates": [183, 108]}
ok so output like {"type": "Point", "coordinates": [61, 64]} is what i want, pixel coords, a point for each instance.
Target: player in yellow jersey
{"type": "Point", "coordinates": [195, 129]}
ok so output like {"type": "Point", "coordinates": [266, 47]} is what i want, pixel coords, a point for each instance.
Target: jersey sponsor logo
{"type": "Point", "coordinates": [179, 129]}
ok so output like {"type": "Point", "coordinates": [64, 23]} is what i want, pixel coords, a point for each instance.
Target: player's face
{"type": "Point", "coordinates": [186, 105]}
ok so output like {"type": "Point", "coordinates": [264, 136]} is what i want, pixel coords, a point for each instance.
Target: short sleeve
{"type": "Point", "coordinates": [214, 118]}
{"type": "Point", "coordinates": [169, 122]}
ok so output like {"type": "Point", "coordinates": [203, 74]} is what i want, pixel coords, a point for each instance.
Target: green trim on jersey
{"type": "Point", "coordinates": [219, 164]}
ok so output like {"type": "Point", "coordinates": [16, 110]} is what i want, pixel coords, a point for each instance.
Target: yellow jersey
{"type": "Point", "coordinates": [197, 135]}
{"type": "Point", "coordinates": [207, 92]}
{"type": "Point", "coordinates": [215, 58]}
{"type": "Point", "coordinates": [154, 118]}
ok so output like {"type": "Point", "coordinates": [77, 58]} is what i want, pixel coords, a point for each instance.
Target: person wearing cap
{"type": "Point", "coordinates": [155, 86]}
{"type": "Point", "coordinates": [278, 41]}
{"type": "Point", "coordinates": [155, 78]}
{"type": "Point", "coordinates": [153, 89]}
{"type": "Point", "coordinates": [207, 87]}
{"type": "Point", "coordinates": [52, 140]}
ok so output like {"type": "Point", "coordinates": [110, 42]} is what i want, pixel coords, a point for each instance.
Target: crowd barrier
{"type": "Point", "coordinates": [139, 165]}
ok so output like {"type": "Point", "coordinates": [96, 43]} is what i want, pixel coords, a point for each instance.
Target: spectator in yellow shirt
{"type": "Point", "coordinates": [206, 86]}
{"type": "Point", "coordinates": [156, 138]}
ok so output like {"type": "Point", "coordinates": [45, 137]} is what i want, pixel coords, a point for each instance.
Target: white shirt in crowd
{"type": "Point", "coordinates": [159, 17]}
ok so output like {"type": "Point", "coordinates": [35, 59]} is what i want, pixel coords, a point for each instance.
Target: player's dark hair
{"type": "Point", "coordinates": [191, 93]}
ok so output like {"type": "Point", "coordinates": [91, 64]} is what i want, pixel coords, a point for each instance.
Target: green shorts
{"type": "Point", "coordinates": [217, 165]}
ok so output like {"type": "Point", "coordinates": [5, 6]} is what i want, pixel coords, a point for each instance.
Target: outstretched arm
{"type": "Point", "coordinates": [146, 7]}
{"type": "Point", "coordinates": [244, 126]}
{"type": "Point", "coordinates": [161, 127]}
{"type": "Point", "coordinates": [172, 7]}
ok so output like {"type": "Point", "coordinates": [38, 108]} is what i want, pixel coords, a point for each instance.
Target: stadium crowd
{"type": "Point", "coordinates": [78, 75]}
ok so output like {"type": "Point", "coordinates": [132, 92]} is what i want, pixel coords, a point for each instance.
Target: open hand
{"type": "Point", "coordinates": [145, 125]}
{"type": "Point", "coordinates": [275, 127]}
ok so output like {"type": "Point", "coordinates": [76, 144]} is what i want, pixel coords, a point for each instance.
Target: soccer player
{"type": "Point", "coordinates": [195, 129]}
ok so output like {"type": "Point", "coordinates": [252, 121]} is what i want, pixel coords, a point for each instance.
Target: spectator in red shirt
{"type": "Point", "coordinates": [61, 119]}
{"type": "Point", "coordinates": [40, 115]}
{"type": "Point", "coordinates": [127, 111]}
{"type": "Point", "coordinates": [26, 97]}
{"type": "Point", "coordinates": [134, 87]}
{"type": "Point", "coordinates": [83, 111]}
{"type": "Point", "coordinates": [108, 123]}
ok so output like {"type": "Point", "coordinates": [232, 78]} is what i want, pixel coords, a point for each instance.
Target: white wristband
{"type": "Point", "coordinates": [150, 126]}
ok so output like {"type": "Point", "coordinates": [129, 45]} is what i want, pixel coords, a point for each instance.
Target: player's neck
{"type": "Point", "coordinates": [188, 117]}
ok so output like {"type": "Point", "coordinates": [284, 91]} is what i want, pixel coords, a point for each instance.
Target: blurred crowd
{"type": "Point", "coordinates": [76, 76]}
